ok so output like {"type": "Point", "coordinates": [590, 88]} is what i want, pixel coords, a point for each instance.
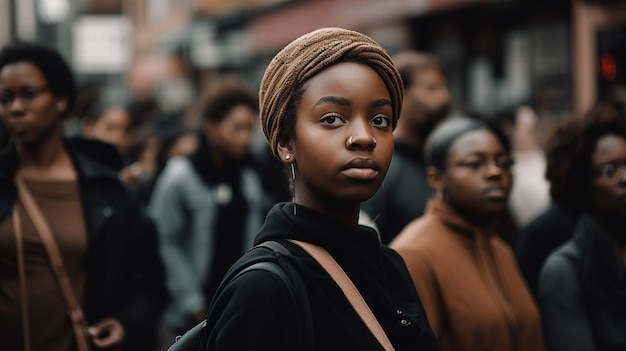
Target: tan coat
{"type": "Point", "coordinates": [469, 283]}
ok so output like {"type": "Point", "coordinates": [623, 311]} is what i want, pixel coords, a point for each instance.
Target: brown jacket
{"type": "Point", "coordinates": [469, 283]}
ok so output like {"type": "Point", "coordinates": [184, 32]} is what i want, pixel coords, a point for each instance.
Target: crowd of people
{"type": "Point", "coordinates": [455, 230]}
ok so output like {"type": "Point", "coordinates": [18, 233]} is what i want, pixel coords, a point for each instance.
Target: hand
{"type": "Point", "coordinates": [106, 333]}
{"type": "Point", "coordinates": [131, 174]}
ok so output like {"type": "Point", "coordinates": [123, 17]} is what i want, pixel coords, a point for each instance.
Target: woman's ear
{"type": "Point", "coordinates": [285, 149]}
{"type": "Point", "coordinates": [435, 180]}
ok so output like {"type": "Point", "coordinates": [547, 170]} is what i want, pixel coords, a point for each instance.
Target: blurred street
{"type": "Point", "coordinates": [560, 56]}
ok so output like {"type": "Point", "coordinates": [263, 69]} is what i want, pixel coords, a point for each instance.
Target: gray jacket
{"type": "Point", "coordinates": [184, 207]}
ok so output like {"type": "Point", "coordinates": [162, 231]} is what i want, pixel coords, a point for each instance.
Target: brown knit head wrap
{"type": "Point", "coordinates": [305, 57]}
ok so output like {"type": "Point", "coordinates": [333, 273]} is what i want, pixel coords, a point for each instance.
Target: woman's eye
{"type": "Point", "coordinates": [505, 165]}
{"type": "Point", "coordinates": [332, 120]}
{"type": "Point", "coordinates": [380, 121]}
{"type": "Point", "coordinates": [473, 164]}
{"type": "Point", "coordinates": [29, 95]}
{"type": "Point", "coordinates": [609, 170]}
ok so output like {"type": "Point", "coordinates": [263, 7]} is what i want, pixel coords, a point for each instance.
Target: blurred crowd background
{"type": "Point", "coordinates": [145, 69]}
{"type": "Point", "coordinates": [560, 56]}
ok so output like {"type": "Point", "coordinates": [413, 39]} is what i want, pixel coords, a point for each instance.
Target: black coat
{"type": "Point", "coordinates": [257, 312]}
{"type": "Point", "coordinates": [125, 276]}
{"type": "Point", "coordinates": [582, 291]}
{"type": "Point", "coordinates": [403, 195]}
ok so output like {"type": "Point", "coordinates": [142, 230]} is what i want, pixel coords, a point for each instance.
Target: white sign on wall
{"type": "Point", "coordinates": [101, 44]}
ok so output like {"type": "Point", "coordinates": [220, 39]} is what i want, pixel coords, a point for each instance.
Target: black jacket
{"type": "Point", "coordinates": [256, 310]}
{"type": "Point", "coordinates": [582, 291]}
{"type": "Point", "coordinates": [125, 276]}
{"type": "Point", "coordinates": [403, 195]}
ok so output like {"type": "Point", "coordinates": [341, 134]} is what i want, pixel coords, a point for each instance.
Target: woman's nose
{"type": "Point", "coordinates": [367, 142]}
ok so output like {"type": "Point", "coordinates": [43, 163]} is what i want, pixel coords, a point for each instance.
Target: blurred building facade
{"type": "Point", "coordinates": [560, 55]}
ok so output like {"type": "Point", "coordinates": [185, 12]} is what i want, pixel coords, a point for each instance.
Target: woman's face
{"type": "Point", "coordinates": [477, 178]}
{"type": "Point", "coordinates": [112, 127]}
{"type": "Point", "coordinates": [428, 100]}
{"type": "Point", "coordinates": [232, 134]}
{"type": "Point", "coordinates": [343, 137]}
{"type": "Point", "coordinates": [28, 109]}
{"type": "Point", "coordinates": [609, 197]}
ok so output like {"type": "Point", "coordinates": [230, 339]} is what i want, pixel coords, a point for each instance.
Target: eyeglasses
{"type": "Point", "coordinates": [612, 172]}
{"type": "Point", "coordinates": [25, 96]}
{"type": "Point", "coordinates": [505, 165]}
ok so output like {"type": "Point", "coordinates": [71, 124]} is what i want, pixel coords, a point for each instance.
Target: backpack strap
{"type": "Point", "coordinates": [298, 292]}
{"type": "Point", "coordinates": [195, 338]}
{"type": "Point", "coordinates": [273, 246]}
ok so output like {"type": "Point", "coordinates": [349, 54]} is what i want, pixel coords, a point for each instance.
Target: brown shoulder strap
{"type": "Point", "coordinates": [352, 293]}
{"type": "Point", "coordinates": [19, 245]}
{"type": "Point", "coordinates": [45, 233]}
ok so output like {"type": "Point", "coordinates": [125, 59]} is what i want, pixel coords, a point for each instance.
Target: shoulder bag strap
{"type": "Point", "coordinates": [352, 293]}
{"type": "Point", "coordinates": [19, 245]}
{"type": "Point", "coordinates": [45, 233]}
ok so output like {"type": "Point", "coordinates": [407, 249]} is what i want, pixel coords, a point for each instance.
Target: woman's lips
{"type": "Point", "coordinates": [495, 193]}
{"type": "Point", "coordinates": [362, 168]}
{"type": "Point", "coordinates": [361, 173]}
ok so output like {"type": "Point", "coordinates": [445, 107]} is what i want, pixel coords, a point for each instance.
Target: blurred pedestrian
{"type": "Point", "coordinates": [466, 275]}
{"type": "Point", "coordinates": [530, 194]}
{"type": "Point", "coordinates": [329, 102]}
{"type": "Point", "coordinates": [540, 224]}
{"type": "Point", "coordinates": [404, 192]}
{"type": "Point", "coordinates": [107, 246]}
{"type": "Point", "coordinates": [582, 285]}
{"type": "Point", "coordinates": [172, 139]}
{"type": "Point", "coordinates": [539, 238]}
{"type": "Point", "coordinates": [108, 122]}
{"type": "Point", "coordinates": [208, 206]}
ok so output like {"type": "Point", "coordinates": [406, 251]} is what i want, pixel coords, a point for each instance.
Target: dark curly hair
{"type": "Point", "coordinates": [224, 94]}
{"type": "Point", "coordinates": [56, 71]}
{"type": "Point", "coordinates": [568, 151]}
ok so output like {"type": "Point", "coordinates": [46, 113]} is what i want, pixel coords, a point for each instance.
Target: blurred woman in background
{"type": "Point", "coordinates": [466, 275]}
{"type": "Point", "coordinates": [582, 285]}
{"type": "Point", "coordinates": [108, 246]}
{"type": "Point", "coordinates": [209, 205]}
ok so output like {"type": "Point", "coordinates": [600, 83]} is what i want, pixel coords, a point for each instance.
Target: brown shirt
{"type": "Point", "coordinates": [50, 326]}
{"type": "Point", "coordinates": [469, 284]}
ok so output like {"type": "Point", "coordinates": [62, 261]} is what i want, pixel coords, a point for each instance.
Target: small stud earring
{"type": "Point", "coordinates": [288, 157]}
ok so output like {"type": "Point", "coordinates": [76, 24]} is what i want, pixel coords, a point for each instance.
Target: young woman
{"type": "Point", "coordinates": [107, 245]}
{"type": "Point", "coordinates": [466, 275]}
{"type": "Point", "coordinates": [582, 285]}
{"type": "Point", "coordinates": [329, 103]}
